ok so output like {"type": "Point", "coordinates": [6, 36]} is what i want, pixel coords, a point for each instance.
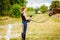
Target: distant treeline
{"type": "Point", "coordinates": [12, 7]}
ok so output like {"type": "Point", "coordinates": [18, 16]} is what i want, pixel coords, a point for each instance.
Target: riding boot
{"type": "Point", "coordinates": [23, 36]}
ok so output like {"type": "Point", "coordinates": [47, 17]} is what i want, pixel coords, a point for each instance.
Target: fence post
{"type": "Point", "coordinates": [8, 34]}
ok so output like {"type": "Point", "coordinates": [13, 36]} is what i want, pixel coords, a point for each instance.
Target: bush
{"type": "Point", "coordinates": [43, 8]}
{"type": "Point", "coordinates": [36, 10]}
{"type": "Point", "coordinates": [15, 11]}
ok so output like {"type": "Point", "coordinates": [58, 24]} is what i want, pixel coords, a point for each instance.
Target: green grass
{"type": "Point", "coordinates": [49, 30]}
{"type": "Point", "coordinates": [55, 19]}
{"type": "Point", "coordinates": [9, 20]}
{"type": "Point", "coordinates": [2, 39]}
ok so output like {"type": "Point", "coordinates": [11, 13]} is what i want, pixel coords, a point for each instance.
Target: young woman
{"type": "Point", "coordinates": [24, 21]}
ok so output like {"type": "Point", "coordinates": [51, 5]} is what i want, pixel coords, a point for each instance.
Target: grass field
{"type": "Point", "coordinates": [8, 20]}
{"type": "Point", "coordinates": [48, 30]}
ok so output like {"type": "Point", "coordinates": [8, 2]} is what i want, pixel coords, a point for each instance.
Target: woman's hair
{"type": "Point", "coordinates": [23, 8]}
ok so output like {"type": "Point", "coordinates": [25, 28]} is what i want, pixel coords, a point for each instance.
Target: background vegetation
{"type": "Point", "coordinates": [55, 4]}
{"type": "Point", "coordinates": [43, 8]}
{"type": "Point", "coordinates": [48, 30]}
{"type": "Point", "coordinates": [13, 5]}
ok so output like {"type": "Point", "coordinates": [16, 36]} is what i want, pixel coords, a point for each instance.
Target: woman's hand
{"type": "Point", "coordinates": [28, 19]}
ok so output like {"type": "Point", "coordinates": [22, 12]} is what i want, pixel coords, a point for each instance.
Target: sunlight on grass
{"type": "Point", "coordinates": [9, 20]}
{"type": "Point", "coordinates": [55, 19]}
{"type": "Point", "coordinates": [48, 30]}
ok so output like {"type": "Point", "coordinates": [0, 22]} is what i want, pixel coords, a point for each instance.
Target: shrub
{"type": "Point", "coordinates": [43, 8]}
{"type": "Point", "coordinates": [15, 11]}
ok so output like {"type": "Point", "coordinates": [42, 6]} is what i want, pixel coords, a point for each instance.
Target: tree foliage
{"type": "Point", "coordinates": [5, 5]}
{"type": "Point", "coordinates": [55, 4]}
{"type": "Point", "coordinates": [43, 8]}
{"type": "Point", "coordinates": [36, 10]}
{"type": "Point", "coordinates": [21, 2]}
{"type": "Point", "coordinates": [15, 10]}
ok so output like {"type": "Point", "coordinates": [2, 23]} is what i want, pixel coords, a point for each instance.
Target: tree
{"type": "Point", "coordinates": [15, 11]}
{"type": "Point", "coordinates": [21, 2]}
{"type": "Point", "coordinates": [5, 5]}
{"type": "Point", "coordinates": [43, 8]}
{"type": "Point", "coordinates": [36, 10]}
{"type": "Point", "coordinates": [55, 4]}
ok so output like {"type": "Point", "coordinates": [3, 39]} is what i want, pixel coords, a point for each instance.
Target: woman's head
{"type": "Point", "coordinates": [23, 9]}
